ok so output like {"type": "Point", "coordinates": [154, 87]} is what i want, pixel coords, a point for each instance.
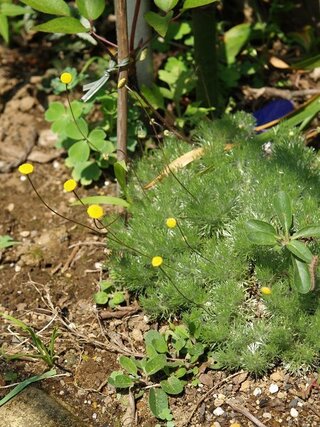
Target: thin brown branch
{"type": "Point", "coordinates": [246, 413]}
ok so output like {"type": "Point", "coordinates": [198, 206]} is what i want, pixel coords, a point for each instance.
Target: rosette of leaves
{"type": "Point", "coordinates": [293, 242]}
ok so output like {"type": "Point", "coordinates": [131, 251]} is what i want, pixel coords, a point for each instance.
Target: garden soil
{"type": "Point", "coordinates": [49, 277]}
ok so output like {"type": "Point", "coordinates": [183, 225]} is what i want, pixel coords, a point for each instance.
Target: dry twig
{"type": "Point", "coordinates": [246, 413]}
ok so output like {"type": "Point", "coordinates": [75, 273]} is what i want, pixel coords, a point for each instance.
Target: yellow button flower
{"type": "Point", "coordinates": [26, 168]}
{"type": "Point", "coordinates": [95, 211]}
{"type": "Point", "coordinates": [156, 261]}
{"type": "Point", "coordinates": [70, 185]}
{"type": "Point", "coordinates": [171, 222]}
{"type": "Point", "coordinates": [66, 78]}
{"type": "Point", "coordinates": [265, 290]}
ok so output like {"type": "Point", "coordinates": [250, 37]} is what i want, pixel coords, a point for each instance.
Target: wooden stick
{"type": "Point", "coordinates": [123, 53]}
{"type": "Point", "coordinates": [246, 413]}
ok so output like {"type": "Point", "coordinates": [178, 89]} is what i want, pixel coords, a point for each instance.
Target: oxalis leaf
{"type": "Point", "coordinates": [300, 250]}
{"type": "Point", "coordinates": [52, 7]}
{"type": "Point", "coordinates": [282, 206]}
{"type": "Point", "coordinates": [158, 402]}
{"type": "Point", "coordinates": [302, 276]}
{"type": "Point", "coordinates": [65, 25]}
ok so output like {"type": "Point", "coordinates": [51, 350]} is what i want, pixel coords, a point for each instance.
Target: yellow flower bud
{"type": "Point", "coordinates": [95, 211]}
{"type": "Point", "coordinates": [156, 261]}
{"type": "Point", "coordinates": [70, 185]}
{"type": "Point", "coordinates": [171, 222]}
{"type": "Point", "coordinates": [66, 78]}
{"type": "Point", "coordinates": [265, 290]}
{"type": "Point", "coordinates": [122, 82]}
{"type": "Point", "coordinates": [26, 168]}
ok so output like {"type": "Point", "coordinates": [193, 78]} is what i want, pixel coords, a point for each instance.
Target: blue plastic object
{"type": "Point", "coordinates": [273, 110]}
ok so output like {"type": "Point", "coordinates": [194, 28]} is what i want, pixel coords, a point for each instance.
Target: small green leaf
{"type": "Point", "coordinates": [119, 380]}
{"type": "Point", "coordinates": [153, 95]}
{"type": "Point", "coordinates": [79, 152]}
{"type": "Point", "coordinates": [55, 110]}
{"type": "Point", "coordinates": [7, 241]}
{"type": "Point", "coordinates": [157, 340]}
{"type": "Point", "coordinates": [166, 5]}
{"type": "Point", "coordinates": [235, 39]}
{"type": "Point", "coordinates": [117, 298]}
{"type": "Point", "coordinates": [282, 206]}
{"type": "Point", "coordinates": [52, 7]}
{"type": "Point", "coordinates": [155, 364]}
{"type": "Point", "coordinates": [190, 4]}
{"type": "Point", "coordinates": [300, 250]}
{"type": "Point", "coordinates": [63, 25]}
{"type": "Point", "coordinates": [98, 142]}
{"type": "Point", "coordinates": [158, 401]}
{"type": "Point", "coordinates": [9, 9]}
{"type": "Point", "coordinates": [91, 9]}
{"type": "Point", "coordinates": [261, 232]}
{"type": "Point", "coordinates": [308, 231]}
{"type": "Point", "coordinates": [172, 385]}
{"type": "Point", "coordinates": [101, 297]}
{"type": "Point", "coordinates": [25, 383]}
{"type": "Point", "coordinates": [128, 364]}
{"type": "Point", "coordinates": [302, 276]}
{"type": "Point", "coordinates": [105, 285]}
{"type": "Point", "coordinates": [159, 23]}
{"type": "Point", "coordinates": [181, 372]}
{"type": "Point", "coordinates": [120, 171]}
{"type": "Point", "coordinates": [103, 200]}
{"type": "Point", "coordinates": [4, 28]}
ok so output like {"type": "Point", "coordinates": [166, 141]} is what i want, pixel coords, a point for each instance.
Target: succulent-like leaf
{"type": "Point", "coordinates": [308, 231]}
{"type": "Point", "coordinates": [302, 276]}
{"type": "Point", "coordinates": [300, 250]}
{"type": "Point", "coordinates": [261, 232]}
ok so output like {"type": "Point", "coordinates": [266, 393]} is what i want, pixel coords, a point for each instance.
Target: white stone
{"type": "Point", "coordinates": [273, 388]}
{"type": "Point", "coordinates": [17, 268]}
{"type": "Point", "coordinates": [294, 413]}
{"type": "Point", "coordinates": [267, 415]}
{"type": "Point", "coordinates": [257, 391]}
{"type": "Point", "coordinates": [218, 411]}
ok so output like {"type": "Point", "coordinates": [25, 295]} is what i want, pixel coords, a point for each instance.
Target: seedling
{"type": "Point", "coordinates": [284, 237]}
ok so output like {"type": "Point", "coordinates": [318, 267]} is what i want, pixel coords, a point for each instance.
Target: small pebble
{"type": "Point", "coordinates": [218, 411]}
{"type": "Point", "coordinates": [257, 391]}
{"type": "Point", "coordinates": [94, 416]}
{"type": "Point", "coordinates": [98, 265]}
{"type": "Point", "coordinates": [17, 268]}
{"type": "Point", "coordinates": [23, 178]}
{"type": "Point", "coordinates": [273, 388]}
{"type": "Point", "coordinates": [216, 424]}
{"type": "Point", "coordinates": [10, 207]}
{"type": "Point", "coordinates": [56, 164]}
{"type": "Point", "coordinates": [294, 413]}
{"type": "Point", "coordinates": [267, 415]}
{"type": "Point", "coordinates": [25, 233]}
{"type": "Point", "coordinates": [281, 395]}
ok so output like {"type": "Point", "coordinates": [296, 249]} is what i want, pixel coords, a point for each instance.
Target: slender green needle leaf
{"type": "Point", "coordinates": [25, 383]}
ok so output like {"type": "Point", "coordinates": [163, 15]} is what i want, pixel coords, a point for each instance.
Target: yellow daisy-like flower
{"type": "Point", "coordinates": [265, 290]}
{"type": "Point", "coordinates": [26, 168]}
{"type": "Point", "coordinates": [70, 185]}
{"type": "Point", "coordinates": [95, 211]}
{"type": "Point", "coordinates": [66, 78]}
{"type": "Point", "coordinates": [156, 261]}
{"type": "Point", "coordinates": [171, 222]}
